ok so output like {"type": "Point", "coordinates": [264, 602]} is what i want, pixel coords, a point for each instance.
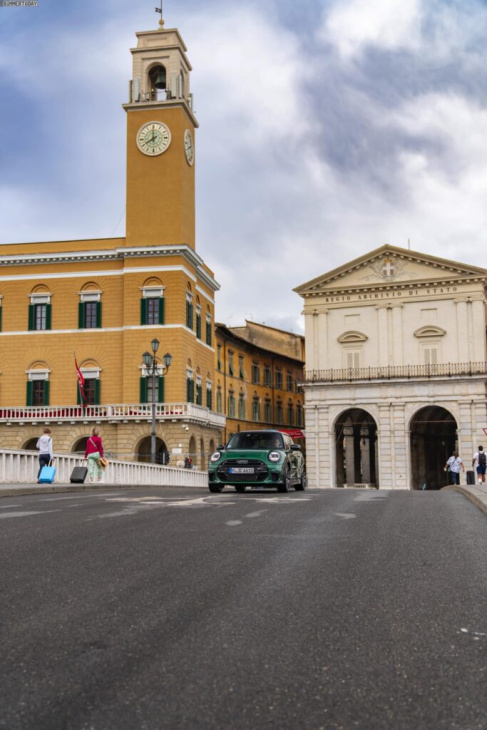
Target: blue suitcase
{"type": "Point", "coordinates": [47, 475]}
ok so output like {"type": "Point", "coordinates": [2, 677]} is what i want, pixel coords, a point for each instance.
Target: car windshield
{"type": "Point", "coordinates": [257, 440]}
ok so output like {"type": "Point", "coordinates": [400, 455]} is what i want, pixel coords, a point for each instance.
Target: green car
{"type": "Point", "coordinates": [258, 459]}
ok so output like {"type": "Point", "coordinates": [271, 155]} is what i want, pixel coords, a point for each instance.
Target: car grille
{"type": "Point", "coordinates": [260, 471]}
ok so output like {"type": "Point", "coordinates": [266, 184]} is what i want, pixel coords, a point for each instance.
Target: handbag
{"type": "Point", "coordinates": [103, 462]}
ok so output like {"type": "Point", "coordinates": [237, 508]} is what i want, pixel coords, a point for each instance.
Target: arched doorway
{"type": "Point", "coordinates": [356, 449]}
{"type": "Point", "coordinates": [144, 451]}
{"type": "Point", "coordinates": [433, 438]}
{"type": "Point", "coordinates": [79, 446]}
{"type": "Point", "coordinates": [31, 444]}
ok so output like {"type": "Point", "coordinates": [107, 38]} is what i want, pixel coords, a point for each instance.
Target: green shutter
{"type": "Point", "coordinates": [48, 318]}
{"type": "Point", "coordinates": [208, 399]}
{"type": "Point", "coordinates": [78, 395]}
{"type": "Point", "coordinates": [188, 389]}
{"type": "Point", "coordinates": [143, 390]}
{"type": "Point", "coordinates": [160, 394]}
{"type": "Point", "coordinates": [46, 393]}
{"type": "Point", "coordinates": [143, 314]}
{"type": "Point", "coordinates": [30, 392]}
{"type": "Point", "coordinates": [32, 316]}
{"type": "Point", "coordinates": [81, 317]}
{"type": "Point", "coordinates": [198, 326]}
{"type": "Point", "coordinates": [208, 334]}
{"type": "Point", "coordinates": [98, 314]}
{"type": "Point", "coordinates": [97, 391]}
{"type": "Point", "coordinates": [161, 310]}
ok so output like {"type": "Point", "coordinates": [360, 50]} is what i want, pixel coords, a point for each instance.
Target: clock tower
{"type": "Point", "coordinates": [160, 143]}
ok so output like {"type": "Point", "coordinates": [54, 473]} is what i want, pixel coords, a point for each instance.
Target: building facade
{"type": "Point", "coordinates": [395, 373]}
{"type": "Point", "coordinates": [258, 372]}
{"type": "Point", "coordinates": [103, 301]}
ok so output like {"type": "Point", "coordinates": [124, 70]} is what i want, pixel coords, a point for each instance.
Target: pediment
{"type": "Point", "coordinates": [390, 266]}
{"type": "Point", "coordinates": [430, 331]}
{"type": "Point", "coordinates": [352, 336]}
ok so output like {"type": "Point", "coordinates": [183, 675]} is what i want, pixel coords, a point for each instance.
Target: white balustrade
{"type": "Point", "coordinates": [22, 467]}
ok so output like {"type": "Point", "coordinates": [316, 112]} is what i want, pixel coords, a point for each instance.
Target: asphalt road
{"type": "Point", "coordinates": [179, 609]}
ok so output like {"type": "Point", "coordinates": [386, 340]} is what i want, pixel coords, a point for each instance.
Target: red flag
{"type": "Point", "coordinates": [81, 381]}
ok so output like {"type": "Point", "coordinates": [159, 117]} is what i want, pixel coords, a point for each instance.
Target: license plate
{"type": "Point", "coordinates": [241, 470]}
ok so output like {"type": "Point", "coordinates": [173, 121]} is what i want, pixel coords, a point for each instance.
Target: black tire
{"type": "Point", "coordinates": [302, 484]}
{"type": "Point", "coordinates": [215, 488]}
{"type": "Point", "coordinates": [286, 484]}
{"type": "Point", "coordinates": [241, 488]}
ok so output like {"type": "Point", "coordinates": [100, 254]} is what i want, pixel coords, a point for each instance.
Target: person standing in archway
{"type": "Point", "coordinates": [480, 460]}
{"type": "Point", "coordinates": [455, 465]}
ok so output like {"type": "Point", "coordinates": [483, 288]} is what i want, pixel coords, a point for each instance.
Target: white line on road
{"type": "Point", "coordinates": [9, 506]}
{"type": "Point", "coordinates": [256, 514]}
{"type": "Point", "coordinates": [7, 515]}
{"type": "Point", "coordinates": [345, 516]}
{"type": "Point", "coordinates": [233, 523]}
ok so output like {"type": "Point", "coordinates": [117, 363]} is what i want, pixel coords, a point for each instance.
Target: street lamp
{"type": "Point", "coordinates": [151, 363]}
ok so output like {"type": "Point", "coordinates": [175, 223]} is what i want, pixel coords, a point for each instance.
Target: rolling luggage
{"type": "Point", "coordinates": [48, 474]}
{"type": "Point", "coordinates": [470, 477]}
{"type": "Point", "coordinates": [78, 475]}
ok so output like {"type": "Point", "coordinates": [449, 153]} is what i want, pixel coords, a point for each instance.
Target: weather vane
{"type": "Point", "coordinates": [159, 10]}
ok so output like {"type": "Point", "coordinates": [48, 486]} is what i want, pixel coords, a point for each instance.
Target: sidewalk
{"type": "Point", "coordinates": [476, 493]}
{"type": "Point", "coordinates": [19, 490]}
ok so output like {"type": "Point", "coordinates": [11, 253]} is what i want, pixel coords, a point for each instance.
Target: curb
{"type": "Point", "coordinates": [478, 501]}
{"type": "Point", "coordinates": [28, 490]}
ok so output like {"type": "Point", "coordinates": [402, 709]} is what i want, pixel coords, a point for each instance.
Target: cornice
{"type": "Point", "coordinates": [116, 254]}
{"type": "Point", "coordinates": [135, 106]}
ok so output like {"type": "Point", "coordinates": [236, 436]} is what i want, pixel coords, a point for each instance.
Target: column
{"type": "Point", "coordinates": [312, 455]}
{"type": "Point", "coordinates": [399, 446]}
{"type": "Point", "coordinates": [348, 448]}
{"type": "Point", "coordinates": [365, 454]}
{"type": "Point", "coordinates": [311, 343]}
{"type": "Point", "coordinates": [323, 360]}
{"type": "Point", "coordinates": [478, 327]}
{"type": "Point", "coordinates": [462, 331]}
{"type": "Point", "coordinates": [397, 334]}
{"type": "Point", "coordinates": [466, 435]}
{"type": "Point", "coordinates": [383, 354]}
{"type": "Point", "coordinates": [385, 474]}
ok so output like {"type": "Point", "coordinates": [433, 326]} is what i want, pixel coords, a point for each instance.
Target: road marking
{"type": "Point", "coordinates": [256, 514]}
{"type": "Point", "coordinates": [233, 523]}
{"type": "Point", "coordinates": [345, 516]}
{"type": "Point", "coordinates": [9, 506]}
{"type": "Point", "coordinates": [7, 515]}
{"type": "Point", "coordinates": [78, 496]}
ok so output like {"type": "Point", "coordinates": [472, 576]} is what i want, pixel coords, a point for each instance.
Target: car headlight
{"type": "Point", "coordinates": [274, 456]}
{"type": "Point", "coordinates": [216, 456]}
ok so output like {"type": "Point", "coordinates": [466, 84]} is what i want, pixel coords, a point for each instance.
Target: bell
{"type": "Point", "coordinates": [160, 82]}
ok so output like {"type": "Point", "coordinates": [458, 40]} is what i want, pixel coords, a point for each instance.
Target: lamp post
{"type": "Point", "coordinates": [151, 364]}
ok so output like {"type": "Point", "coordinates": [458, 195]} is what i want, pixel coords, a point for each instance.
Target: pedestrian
{"type": "Point", "coordinates": [93, 452]}
{"type": "Point", "coordinates": [480, 459]}
{"type": "Point", "coordinates": [44, 444]}
{"type": "Point", "coordinates": [454, 465]}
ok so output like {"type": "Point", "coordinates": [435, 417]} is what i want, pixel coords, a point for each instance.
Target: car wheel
{"type": "Point", "coordinates": [286, 484]}
{"type": "Point", "coordinates": [216, 488]}
{"type": "Point", "coordinates": [303, 482]}
{"type": "Point", "coordinates": [241, 488]}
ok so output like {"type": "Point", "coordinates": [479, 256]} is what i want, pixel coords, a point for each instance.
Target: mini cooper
{"type": "Point", "coordinates": [258, 459]}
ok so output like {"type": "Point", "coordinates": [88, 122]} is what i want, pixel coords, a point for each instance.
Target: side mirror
{"type": "Point", "coordinates": [220, 448]}
{"type": "Point", "coordinates": [295, 447]}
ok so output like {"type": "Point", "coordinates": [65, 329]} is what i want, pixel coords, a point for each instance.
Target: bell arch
{"type": "Point", "coordinates": [356, 449]}
{"type": "Point", "coordinates": [433, 434]}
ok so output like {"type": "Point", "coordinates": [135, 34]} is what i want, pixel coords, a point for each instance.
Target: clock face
{"type": "Point", "coordinates": [153, 138]}
{"type": "Point", "coordinates": [189, 147]}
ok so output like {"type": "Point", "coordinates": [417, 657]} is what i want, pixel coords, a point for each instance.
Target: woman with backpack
{"type": "Point", "coordinates": [480, 459]}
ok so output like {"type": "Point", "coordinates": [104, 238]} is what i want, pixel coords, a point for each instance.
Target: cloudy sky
{"type": "Point", "coordinates": [328, 128]}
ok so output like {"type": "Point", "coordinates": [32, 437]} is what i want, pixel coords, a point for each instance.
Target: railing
{"type": "Point", "coordinates": [123, 412]}
{"type": "Point", "coordinates": [22, 467]}
{"type": "Point", "coordinates": [390, 372]}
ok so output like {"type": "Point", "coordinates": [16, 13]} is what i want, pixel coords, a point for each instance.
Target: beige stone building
{"type": "Point", "coordinates": [106, 299]}
{"type": "Point", "coordinates": [395, 369]}
{"type": "Point", "coordinates": [258, 371]}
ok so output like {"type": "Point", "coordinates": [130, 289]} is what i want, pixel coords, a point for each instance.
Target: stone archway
{"type": "Point", "coordinates": [143, 451]}
{"type": "Point", "coordinates": [79, 446]}
{"type": "Point", "coordinates": [433, 438]}
{"type": "Point", "coordinates": [356, 449]}
{"type": "Point", "coordinates": [31, 444]}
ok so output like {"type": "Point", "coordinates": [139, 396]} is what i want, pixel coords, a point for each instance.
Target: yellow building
{"type": "Point", "coordinates": [106, 299]}
{"type": "Point", "coordinates": [257, 375]}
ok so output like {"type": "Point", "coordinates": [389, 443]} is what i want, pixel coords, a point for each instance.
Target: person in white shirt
{"type": "Point", "coordinates": [455, 465]}
{"type": "Point", "coordinates": [44, 445]}
{"type": "Point", "coordinates": [480, 461]}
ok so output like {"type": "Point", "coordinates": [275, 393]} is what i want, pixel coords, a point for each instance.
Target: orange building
{"type": "Point", "coordinates": [106, 299]}
{"type": "Point", "coordinates": [257, 378]}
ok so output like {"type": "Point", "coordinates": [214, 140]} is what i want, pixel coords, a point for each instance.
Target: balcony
{"type": "Point", "coordinates": [187, 412]}
{"type": "Point", "coordinates": [397, 372]}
